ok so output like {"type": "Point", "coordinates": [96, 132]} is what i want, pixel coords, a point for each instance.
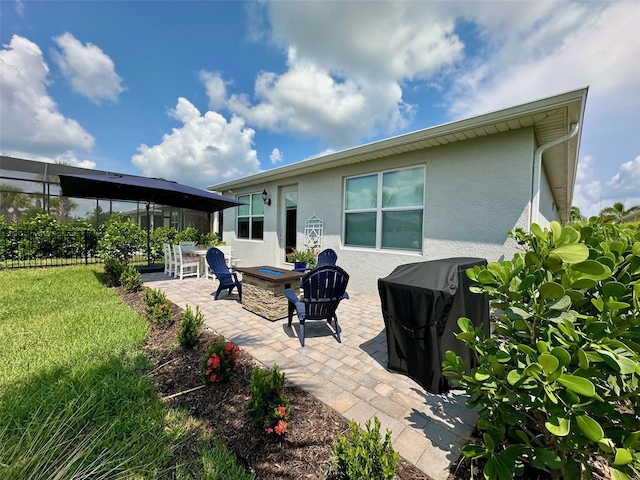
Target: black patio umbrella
{"type": "Point", "coordinates": [143, 189]}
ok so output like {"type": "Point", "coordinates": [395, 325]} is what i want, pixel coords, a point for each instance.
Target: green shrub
{"type": "Point", "coordinates": [154, 297]}
{"type": "Point", "coordinates": [268, 406]}
{"type": "Point", "coordinates": [188, 332]}
{"type": "Point", "coordinates": [159, 237]}
{"type": "Point", "coordinates": [114, 268]}
{"type": "Point", "coordinates": [189, 234]}
{"type": "Point", "coordinates": [365, 455]}
{"type": "Point", "coordinates": [131, 279]}
{"type": "Point", "coordinates": [218, 365]}
{"type": "Point", "coordinates": [159, 309]}
{"type": "Point", "coordinates": [120, 239]}
{"type": "Point", "coordinates": [560, 381]}
{"type": "Point", "coordinates": [161, 315]}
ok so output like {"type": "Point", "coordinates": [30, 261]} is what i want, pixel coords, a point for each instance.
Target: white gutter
{"type": "Point", "coordinates": [534, 207]}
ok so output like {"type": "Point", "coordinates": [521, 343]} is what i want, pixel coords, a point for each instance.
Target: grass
{"type": "Point", "coordinates": [75, 400]}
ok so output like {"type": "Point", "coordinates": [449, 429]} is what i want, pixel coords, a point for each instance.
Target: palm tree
{"type": "Point", "coordinates": [576, 215]}
{"type": "Point", "coordinates": [60, 207]}
{"type": "Point", "coordinates": [13, 201]}
{"type": "Point", "coordinates": [616, 212]}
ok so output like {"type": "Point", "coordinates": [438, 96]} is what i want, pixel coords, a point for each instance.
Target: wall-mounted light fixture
{"type": "Point", "coordinates": [265, 198]}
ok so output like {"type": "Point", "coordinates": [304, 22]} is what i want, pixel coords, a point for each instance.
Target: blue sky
{"type": "Point", "coordinates": [202, 92]}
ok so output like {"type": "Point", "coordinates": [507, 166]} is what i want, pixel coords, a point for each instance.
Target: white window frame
{"type": "Point", "coordinates": [379, 210]}
{"type": "Point", "coordinates": [251, 216]}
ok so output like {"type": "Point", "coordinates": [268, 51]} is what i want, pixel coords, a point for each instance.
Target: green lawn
{"type": "Point", "coordinates": [75, 401]}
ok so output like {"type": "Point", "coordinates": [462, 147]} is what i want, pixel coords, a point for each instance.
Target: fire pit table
{"type": "Point", "coordinates": [263, 290]}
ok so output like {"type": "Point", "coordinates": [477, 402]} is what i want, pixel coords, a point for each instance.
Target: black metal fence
{"type": "Point", "coordinates": [25, 247]}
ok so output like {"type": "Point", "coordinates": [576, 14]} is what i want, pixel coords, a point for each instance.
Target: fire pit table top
{"type": "Point", "coordinates": [266, 272]}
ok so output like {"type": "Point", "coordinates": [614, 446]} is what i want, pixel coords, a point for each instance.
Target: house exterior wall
{"type": "Point", "coordinates": [548, 209]}
{"type": "Point", "coordinates": [476, 191]}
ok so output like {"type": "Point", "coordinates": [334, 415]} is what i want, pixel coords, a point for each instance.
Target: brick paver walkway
{"type": "Point", "coordinates": [351, 377]}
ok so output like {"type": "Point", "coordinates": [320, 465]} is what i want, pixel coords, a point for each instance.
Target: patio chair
{"type": "Point", "coordinates": [326, 257]}
{"type": "Point", "coordinates": [322, 290]}
{"type": "Point", "coordinates": [217, 266]}
{"type": "Point", "coordinates": [169, 262]}
{"type": "Point", "coordinates": [185, 265]}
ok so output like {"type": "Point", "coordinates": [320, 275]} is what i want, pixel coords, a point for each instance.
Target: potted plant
{"type": "Point", "coordinates": [302, 259]}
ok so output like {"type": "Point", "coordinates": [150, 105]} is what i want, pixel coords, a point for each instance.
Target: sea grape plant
{"type": "Point", "coordinates": [559, 381]}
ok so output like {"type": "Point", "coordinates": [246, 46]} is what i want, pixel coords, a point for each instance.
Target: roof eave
{"type": "Point", "coordinates": [385, 147]}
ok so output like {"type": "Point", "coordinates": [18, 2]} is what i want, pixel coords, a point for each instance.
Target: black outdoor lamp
{"type": "Point", "coordinates": [265, 198]}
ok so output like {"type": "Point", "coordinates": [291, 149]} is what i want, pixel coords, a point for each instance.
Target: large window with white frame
{"type": "Point", "coordinates": [384, 210]}
{"type": "Point", "coordinates": [250, 218]}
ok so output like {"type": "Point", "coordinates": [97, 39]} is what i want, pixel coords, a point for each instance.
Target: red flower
{"type": "Point", "coordinates": [228, 347]}
{"type": "Point", "coordinates": [280, 411]}
{"type": "Point", "coordinates": [214, 377]}
{"type": "Point", "coordinates": [281, 427]}
{"type": "Point", "coordinates": [269, 430]}
{"type": "Point", "coordinates": [215, 360]}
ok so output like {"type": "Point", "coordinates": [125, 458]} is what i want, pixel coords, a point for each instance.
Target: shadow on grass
{"type": "Point", "coordinates": [103, 420]}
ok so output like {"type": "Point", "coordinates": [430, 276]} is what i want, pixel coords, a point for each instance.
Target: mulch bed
{"type": "Point", "coordinates": [312, 426]}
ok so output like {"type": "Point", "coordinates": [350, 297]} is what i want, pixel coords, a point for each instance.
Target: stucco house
{"type": "Point", "coordinates": [452, 190]}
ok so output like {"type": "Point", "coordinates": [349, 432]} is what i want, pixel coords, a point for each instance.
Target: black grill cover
{"type": "Point", "coordinates": [421, 304]}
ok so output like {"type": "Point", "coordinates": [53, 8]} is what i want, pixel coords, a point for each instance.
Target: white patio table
{"type": "Point", "coordinates": [202, 253]}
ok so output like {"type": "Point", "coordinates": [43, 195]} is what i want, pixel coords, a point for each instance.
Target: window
{"type": "Point", "coordinates": [385, 210]}
{"type": "Point", "coordinates": [251, 217]}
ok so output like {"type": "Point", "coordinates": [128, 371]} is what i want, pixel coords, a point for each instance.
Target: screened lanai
{"type": "Point", "coordinates": [29, 187]}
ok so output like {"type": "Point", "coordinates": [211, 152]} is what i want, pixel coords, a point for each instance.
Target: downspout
{"type": "Point", "coordinates": [536, 173]}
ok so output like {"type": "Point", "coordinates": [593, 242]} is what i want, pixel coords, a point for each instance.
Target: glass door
{"type": "Point", "coordinates": [289, 213]}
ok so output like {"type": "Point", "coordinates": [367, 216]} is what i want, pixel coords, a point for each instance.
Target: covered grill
{"type": "Point", "coordinates": [421, 304]}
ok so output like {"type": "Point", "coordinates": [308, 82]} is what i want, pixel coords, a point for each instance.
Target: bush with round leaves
{"type": "Point", "coordinates": [120, 239]}
{"type": "Point", "coordinates": [559, 382]}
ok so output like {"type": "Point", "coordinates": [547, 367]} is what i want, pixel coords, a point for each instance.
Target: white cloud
{"type": "Point", "coordinates": [19, 7]}
{"type": "Point", "coordinates": [324, 152]}
{"type": "Point", "coordinates": [90, 71]}
{"type": "Point", "coordinates": [346, 64]}
{"type": "Point", "coordinates": [374, 40]}
{"type": "Point", "coordinates": [568, 46]}
{"type": "Point", "coordinates": [36, 127]}
{"type": "Point", "coordinates": [216, 89]}
{"type": "Point", "coordinates": [205, 150]}
{"type": "Point", "coordinates": [592, 195]}
{"type": "Point", "coordinates": [627, 180]}
{"type": "Point", "coordinates": [585, 169]}
{"type": "Point", "coordinates": [307, 100]}
{"type": "Point", "coordinates": [276, 156]}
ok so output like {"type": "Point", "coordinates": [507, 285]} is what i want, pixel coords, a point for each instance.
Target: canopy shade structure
{"type": "Point", "coordinates": [143, 189]}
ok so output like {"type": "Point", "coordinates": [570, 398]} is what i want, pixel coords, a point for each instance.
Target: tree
{"type": "Point", "coordinates": [576, 215]}
{"type": "Point", "coordinates": [97, 217]}
{"type": "Point", "coordinates": [616, 212]}
{"type": "Point", "coordinates": [13, 201]}
{"type": "Point", "coordinates": [62, 206]}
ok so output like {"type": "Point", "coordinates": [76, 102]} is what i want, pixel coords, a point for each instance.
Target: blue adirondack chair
{"type": "Point", "coordinates": [326, 257]}
{"type": "Point", "coordinates": [218, 266]}
{"type": "Point", "coordinates": [322, 290]}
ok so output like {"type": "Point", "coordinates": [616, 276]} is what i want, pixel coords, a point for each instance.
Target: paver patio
{"type": "Point", "coordinates": [351, 377]}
